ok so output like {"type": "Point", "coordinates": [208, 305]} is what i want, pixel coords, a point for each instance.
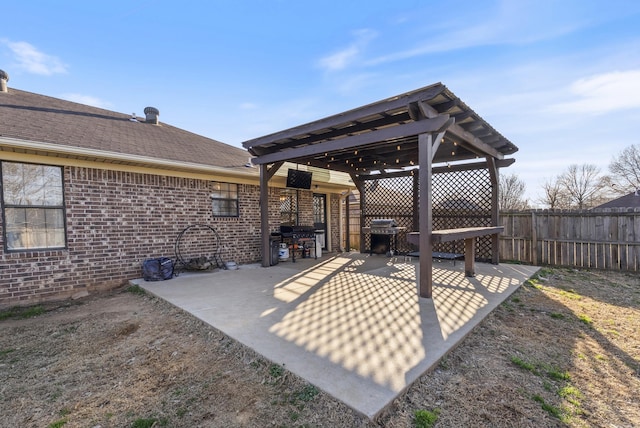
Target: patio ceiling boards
{"type": "Point", "coordinates": [416, 129]}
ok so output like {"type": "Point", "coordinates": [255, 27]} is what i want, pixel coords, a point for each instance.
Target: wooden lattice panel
{"type": "Point", "coordinates": [390, 198]}
{"type": "Point", "coordinates": [460, 199]}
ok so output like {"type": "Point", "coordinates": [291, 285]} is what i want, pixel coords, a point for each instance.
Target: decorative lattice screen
{"type": "Point", "coordinates": [460, 199]}
{"type": "Point", "coordinates": [390, 198]}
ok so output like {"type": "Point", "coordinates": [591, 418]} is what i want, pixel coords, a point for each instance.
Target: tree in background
{"type": "Point", "coordinates": [584, 186]}
{"type": "Point", "coordinates": [554, 195]}
{"type": "Point", "coordinates": [510, 196]}
{"type": "Point", "coordinates": [625, 171]}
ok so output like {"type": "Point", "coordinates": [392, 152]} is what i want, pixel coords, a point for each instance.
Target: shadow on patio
{"type": "Point", "coordinates": [351, 324]}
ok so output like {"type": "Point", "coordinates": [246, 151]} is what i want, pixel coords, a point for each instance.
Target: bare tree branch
{"type": "Point", "coordinates": [625, 170]}
{"type": "Point", "coordinates": [511, 193]}
{"type": "Point", "coordinates": [555, 196]}
{"type": "Point", "coordinates": [583, 185]}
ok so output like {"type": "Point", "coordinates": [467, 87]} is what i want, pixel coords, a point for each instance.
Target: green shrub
{"type": "Point", "coordinates": [425, 418]}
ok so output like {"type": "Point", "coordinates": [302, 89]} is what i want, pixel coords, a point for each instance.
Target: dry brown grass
{"type": "Point", "coordinates": [564, 350]}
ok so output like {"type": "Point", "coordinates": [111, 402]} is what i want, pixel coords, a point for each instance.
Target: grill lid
{"type": "Point", "coordinates": [383, 223]}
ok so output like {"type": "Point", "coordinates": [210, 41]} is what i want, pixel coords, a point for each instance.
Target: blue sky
{"type": "Point", "coordinates": [560, 79]}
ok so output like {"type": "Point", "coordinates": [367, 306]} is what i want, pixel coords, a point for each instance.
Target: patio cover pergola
{"type": "Point", "coordinates": [417, 130]}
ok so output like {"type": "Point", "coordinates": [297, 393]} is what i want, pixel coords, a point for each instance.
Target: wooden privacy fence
{"type": "Point", "coordinates": [602, 239]}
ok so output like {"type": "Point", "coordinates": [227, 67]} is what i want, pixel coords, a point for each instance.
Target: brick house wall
{"type": "Point", "coordinates": [115, 220]}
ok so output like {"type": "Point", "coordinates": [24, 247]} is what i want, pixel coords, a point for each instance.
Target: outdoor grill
{"type": "Point", "coordinates": [384, 235]}
{"type": "Point", "coordinates": [302, 238]}
{"type": "Point", "coordinates": [303, 232]}
{"type": "Point", "coordinates": [383, 226]}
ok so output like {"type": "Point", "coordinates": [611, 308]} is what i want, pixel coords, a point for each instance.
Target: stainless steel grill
{"type": "Point", "coordinates": [383, 226]}
{"type": "Point", "coordinates": [384, 235]}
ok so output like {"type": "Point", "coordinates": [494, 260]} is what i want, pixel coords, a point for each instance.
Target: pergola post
{"type": "Point", "coordinates": [265, 175]}
{"type": "Point", "coordinates": [264, 214]}
{"type": "Point", "coordinates": [359, 183]}
{"type": "Point", "coordinates": [347, 241]}
{"type": "Point", "coordinates": [495, 208]}
{"type": "Point", "coordinates": [425, 222]}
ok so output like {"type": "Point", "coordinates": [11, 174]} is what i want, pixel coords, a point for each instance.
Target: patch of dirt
{"type": "Point", "coordinates": [563, 350]}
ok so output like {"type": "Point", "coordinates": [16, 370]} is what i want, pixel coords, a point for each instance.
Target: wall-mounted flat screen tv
{"type": "Point", "coordinates": [298, 179]}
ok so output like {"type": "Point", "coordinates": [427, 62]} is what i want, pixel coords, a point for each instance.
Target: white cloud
{"type": "Point", "coordinates": [85, 99]}
{"type": "Point", "coordinates": [29, 58]}
{"type": "Point", "coordinates": [354, 84]}
{"type": "Point", "coordinates": [502, 23]}
{"type": "Point", "coordinates": [346, 56]}
{"type": "Point", "coordinates": [248, 106]}
{"type": "Point", "coordinates": [603, 93]}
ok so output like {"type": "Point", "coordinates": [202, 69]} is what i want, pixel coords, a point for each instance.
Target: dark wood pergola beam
{"type": "Point", "coordinates": [437, 169]}
{"type": "Point", "coordinates": [338, 120]}
{"type": "Point", "coordinates": [444, 107]}
{"type": "Point", "coordinates": [397, 132]}
{"type": "Point", "coordinates": [331, 133]}
{"type": "Point", "coordinates": [502, 163]}
{"type": "Point", "coordinates": [273, 169]}
{"type": "Point", "coordinates": [467, 139]}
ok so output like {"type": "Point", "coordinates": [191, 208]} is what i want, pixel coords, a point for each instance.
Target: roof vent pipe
{"type": "Point", "coordinates": [4, 78]}
{"type": "Point", "coordinates": [151, 115]}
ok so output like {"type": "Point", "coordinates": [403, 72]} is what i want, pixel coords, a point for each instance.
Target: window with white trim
{"type": "Point", "coordinates": [32, 206]}
{"type": "Point", "coordinates": [224, 199]}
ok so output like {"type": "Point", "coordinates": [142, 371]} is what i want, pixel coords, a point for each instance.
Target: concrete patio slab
{"type": "Point", "coordinates": [351, 324]}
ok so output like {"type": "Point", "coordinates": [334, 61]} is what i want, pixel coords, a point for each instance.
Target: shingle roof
{"type": "Point", "coordinates": [59, 123]}
{"type": "Point", "coordinates": [632, 200]}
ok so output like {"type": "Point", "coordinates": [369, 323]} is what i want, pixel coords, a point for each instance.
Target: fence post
{"type": "Point", "coordinates": [534, 239]}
